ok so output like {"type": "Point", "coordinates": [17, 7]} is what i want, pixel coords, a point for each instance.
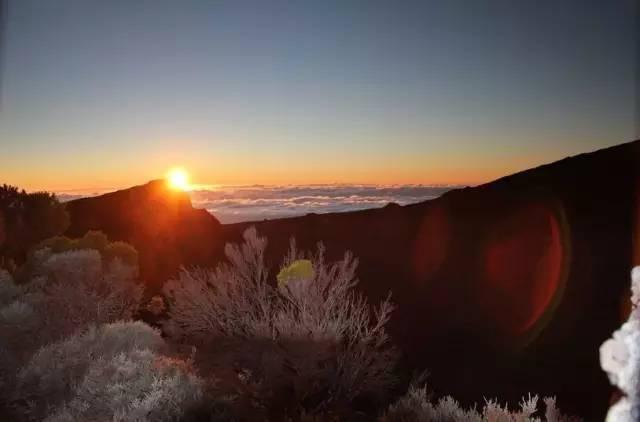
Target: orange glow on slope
{"type": "Point", "coordinates": [524, 267]}
{"type": "Point", "coordinates": [432, 243]}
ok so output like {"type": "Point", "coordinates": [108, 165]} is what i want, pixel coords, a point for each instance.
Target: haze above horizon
{"type": "Point", "coordinates": [113, 94]}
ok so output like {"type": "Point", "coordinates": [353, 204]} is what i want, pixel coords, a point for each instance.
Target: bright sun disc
{"type": "Point", "coordinates": [178, 179]}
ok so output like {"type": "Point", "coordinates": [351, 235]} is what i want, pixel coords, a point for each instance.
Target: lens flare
{"type": "Point", "coordinates": [525, 268]}
{"type": "Point", "coordinates": [431, 245]}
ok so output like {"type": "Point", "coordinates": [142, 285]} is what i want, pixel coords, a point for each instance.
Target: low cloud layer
{"type": "Point", "coordinates": [232, 204]}
{"type": "Point", "coordinates": [248, 203]}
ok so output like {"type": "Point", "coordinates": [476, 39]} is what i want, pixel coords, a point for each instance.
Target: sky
{"type": "Point", "coordinates": [99, 94]}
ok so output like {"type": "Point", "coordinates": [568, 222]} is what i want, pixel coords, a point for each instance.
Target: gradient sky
{"type": "Point", "coordinates": [112, 93]}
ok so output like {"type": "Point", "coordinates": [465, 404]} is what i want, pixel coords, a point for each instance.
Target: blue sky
{"type": "Point", "coordinates": [98, 94]}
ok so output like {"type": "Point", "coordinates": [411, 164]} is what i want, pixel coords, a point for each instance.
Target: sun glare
{"type": "Point", "coordinates": [178, 179]}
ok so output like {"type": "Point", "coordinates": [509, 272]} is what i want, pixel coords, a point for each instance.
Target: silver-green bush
{"type": "Point", "coordinates": [313, 342]}
{"type": "Point", "coordinates": [416, 406]}
{"type": "Point", "coordinates": [111, 372]}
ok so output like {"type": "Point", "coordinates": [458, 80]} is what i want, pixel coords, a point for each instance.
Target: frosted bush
{"type": "Point", "coordinates": [51, 376]}
{"type": "Point", "coordinates": [311, 341]}
{"type": "Point", "coordinates": [94, 240]}
{"type": "Point", "coordinates": [92, 367]}
{"type": "Point", "coordinates": [20, 328]}
{"type": "Point", "coordinates": [620, 359]}
{"type": "Point", "coordinates": [73, 289]}
{"type": "Point", "coordinates": [233, 300]}
{"type": "Point", "coordinates": [134, 386]}
{"type": "Point", "coordinates": [65, 293]}
{"type": "Point", "coordinates": [324, 309]}
{"type": "Point", "coordinates": [79, 291]}
{"type": "Point", "coordinates": [416, 406]}
{"type": "Point", "coordinates": [19, 331]}
{"type": "Point", "coordinates": [77, 264]}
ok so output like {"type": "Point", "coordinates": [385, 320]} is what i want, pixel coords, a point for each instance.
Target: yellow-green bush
{"type": "Point", "coordinates": [299, 269]}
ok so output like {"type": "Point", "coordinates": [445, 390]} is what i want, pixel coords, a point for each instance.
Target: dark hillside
{"type": "Point", "coordinates": [161, 223]}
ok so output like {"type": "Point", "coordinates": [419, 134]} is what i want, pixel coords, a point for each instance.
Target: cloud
{"type": "Point", "coordinates": [70, 195]}
{"type": "Point", "coordinates": [232, 204]}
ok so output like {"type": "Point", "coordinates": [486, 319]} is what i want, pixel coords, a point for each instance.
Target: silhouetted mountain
{"type": "Point", "coordinates": [160, 222]}
{"type": "Point", "coordinates": [502, 289]}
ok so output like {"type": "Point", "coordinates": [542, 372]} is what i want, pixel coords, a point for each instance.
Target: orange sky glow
{"type": "Point", "coordinates": [394, 172]}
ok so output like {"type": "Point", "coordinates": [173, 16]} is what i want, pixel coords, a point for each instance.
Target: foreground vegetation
{"type": "Point", "coordinates": [310, 348]}
{"type": "Point", "coordinates": [25, 220]}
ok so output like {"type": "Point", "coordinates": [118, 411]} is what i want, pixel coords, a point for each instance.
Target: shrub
{"type": "Point", "coordinates": [20, 328]}
{"type": "Point", "coordinates": [134, 386]}
{"type": "Point", "coordinates": [233, 300]}
{"type": "Point", "coordinates": [110, 372]}
{"type": "Point", "coordinates": [94, 240]}
{"type": "Point", "coordinates": [8, 289]}
{"type": "Point", "coordinates": [57, 244]}
{"type": "Point", "coordinates": [312, 342]}
{"type": "Point", "coordinates": [28, 218]}
{"type": "Point", "coordinates": [620, 357]}
{"type": "Point", "coordinates": [76, 264]}
{"type": "Point", "coordinates": [123, 251]}
{"type": "Point", "coordinates": [68, 292]}
{"type": "Point", "coordinates": [50, 375]}
{"type": "Point", "coordinates": [19, 337]}
{"type": "Point", "coordinates": [78, 291]}
{"type": "Point", "coordinates": [416, 406]}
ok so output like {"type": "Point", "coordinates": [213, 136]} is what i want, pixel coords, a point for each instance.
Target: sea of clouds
{"type": "Point", "coordinates": [232, 204]}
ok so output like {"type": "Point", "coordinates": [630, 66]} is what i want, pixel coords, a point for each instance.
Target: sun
{"type": "Point", "coordinates": [178, 179]}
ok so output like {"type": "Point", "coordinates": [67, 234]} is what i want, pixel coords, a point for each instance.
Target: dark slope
{"type": "Point", "coordinates": [505, 288]}
{"type": "Point", "coordinates": [502, 289]}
